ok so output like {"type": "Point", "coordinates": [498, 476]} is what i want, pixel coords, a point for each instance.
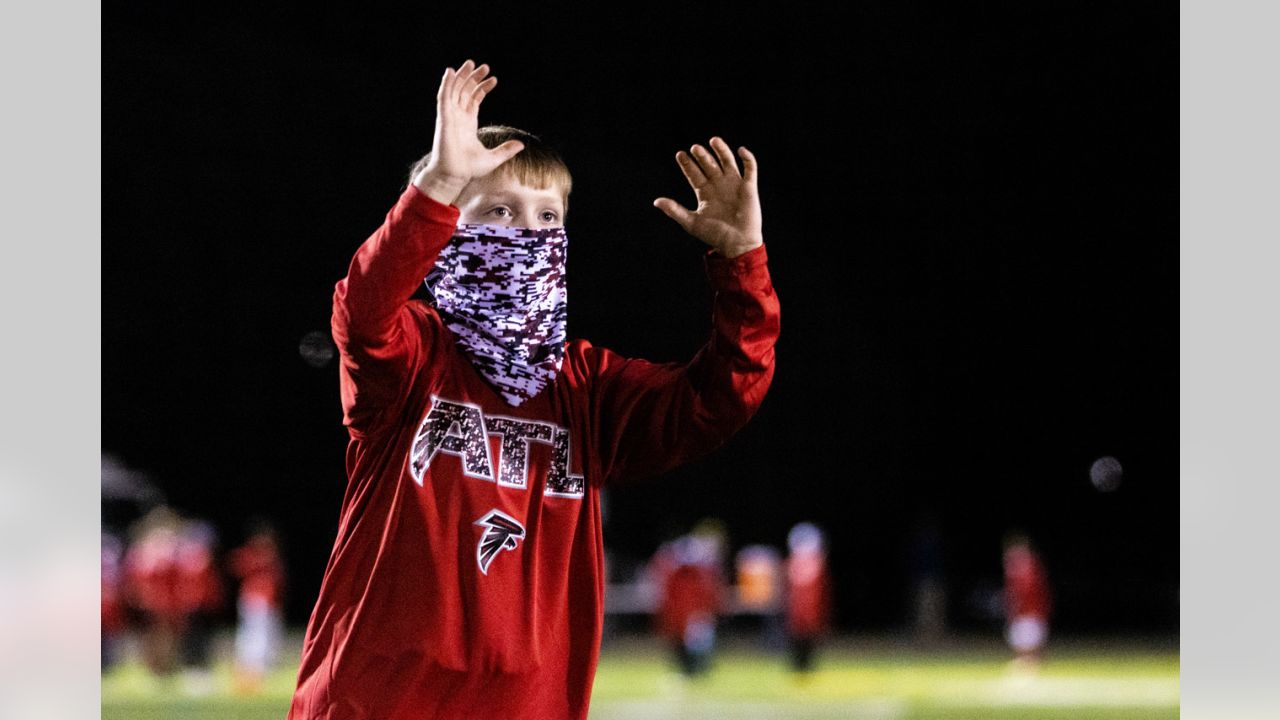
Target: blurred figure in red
{"type": "Point", "coordinates": [1027, 600]}
{"type": "Point", "coordinates": [689, 573]}
{"type": "Point", "coordinates": [258, 566]}
{"type": "Point", "coordinates": [808, 594]}
{"type": "Point", "coordinates": [113, 620]}
{"type": "Point", "coordinates": [152, 587]}
{"type": "Point", "coordinates": [171, 579]}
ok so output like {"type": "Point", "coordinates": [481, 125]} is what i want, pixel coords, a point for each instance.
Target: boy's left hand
{"type": "Point", "coordinates": [728, 213]}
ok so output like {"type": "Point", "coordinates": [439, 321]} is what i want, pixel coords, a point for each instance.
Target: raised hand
{"type": "Point", "coordinates": [457, 155]}
{"type": "Point", "coordinates": [728, 214]}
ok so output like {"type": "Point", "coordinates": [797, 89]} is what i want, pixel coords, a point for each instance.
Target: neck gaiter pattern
{"type": "Point", "coordinates": [501, 290]}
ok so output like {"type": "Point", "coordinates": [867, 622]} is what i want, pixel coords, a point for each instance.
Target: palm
{"type": "Point", "coordinates": [456, 149]}
{"type": "Point", "coordinates": [726, 212]}
{"type": "Point", "coordinates": [727, 216]}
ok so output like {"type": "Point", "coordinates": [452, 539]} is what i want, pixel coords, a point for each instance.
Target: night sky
{"type": "Point", "coordinates": [970, 216]}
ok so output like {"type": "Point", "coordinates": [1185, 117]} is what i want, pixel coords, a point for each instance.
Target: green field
{"type": "Point", "coordinates": [875, 680]}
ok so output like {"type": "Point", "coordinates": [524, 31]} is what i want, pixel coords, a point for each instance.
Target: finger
{"type": "Point", "coordinates": [459, 77]}
{"type": "Point", "coordinates": [446, 85]}
{"type": "Point", "coordinates": [477, 95]}
{"type": "Point", "coordinates": [749, 165]}
{"type": "Point", "coordinates": [675, 211]}
{"type": "Point", "coordinates": [480, 72]}
{"type": "Point", "coordinates": [725, 156]}
{"type": "Point", "coordinates": [471, 80]}
{"type": "Point", "coordinates": [706, 161]}
{"type": "Point", "coordinates": [692, 172]}
{"type": "Point", "coordinates": [507, 150]}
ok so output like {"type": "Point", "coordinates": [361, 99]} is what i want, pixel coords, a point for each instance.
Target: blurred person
{"type": "Point", "coordinates": [200, 599]}
{"type": "Point", "coordinates": [759, 586]}
{"type": "Point", "coordinates": [152, 588]}
{"type": "Point", "coordinates": [172, 582]}
{"type": "Point", "coordinates": [757, 569]}
{"type": "Point", "coordinates": [112, 598]}
{"type": "Point", "coordinates": [929, 588]}
{"type": "Point", "coordinates": [258, 567]}
{"type": "Point", "coordinates": [1027, 600]}
{"type": "Point", "coordinates": [692, 589]}
{"type": "Point", "coordinates": [808, 594]}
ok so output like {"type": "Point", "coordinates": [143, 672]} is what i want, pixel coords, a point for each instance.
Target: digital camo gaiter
{"type": "Point", "coordinates": [501, 290]}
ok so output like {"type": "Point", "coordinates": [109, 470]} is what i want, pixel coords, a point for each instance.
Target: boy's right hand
{"type": "Point", "coordinates": [457, 155]}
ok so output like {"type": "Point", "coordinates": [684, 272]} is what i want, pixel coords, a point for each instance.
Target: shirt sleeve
{"type": "Point", "coordinates": [652, 417]}
{"type": "Point", "coordinates": [383, 337]}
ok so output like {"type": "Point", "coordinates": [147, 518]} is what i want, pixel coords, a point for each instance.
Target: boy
{"type": "Point", "coordinates": [467, 576]}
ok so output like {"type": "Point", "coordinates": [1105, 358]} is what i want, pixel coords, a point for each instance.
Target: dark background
{"type": "Point", "coordinates": [970, 214]}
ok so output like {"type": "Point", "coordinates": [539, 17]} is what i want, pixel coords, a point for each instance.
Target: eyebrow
{"type": "Point", "coordinates": [551, 198]}
{"type": "Point", "coordinates": [503, 195]}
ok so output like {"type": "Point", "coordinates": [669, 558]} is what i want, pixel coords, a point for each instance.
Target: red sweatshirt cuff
{"type": "Point", "coordinates": [723, 270]}
{"type": "Point", "coordinates": [420, 204]}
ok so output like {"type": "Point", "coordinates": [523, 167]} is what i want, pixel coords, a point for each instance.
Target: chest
{"type": "Point", "coordinates": [528, 453]}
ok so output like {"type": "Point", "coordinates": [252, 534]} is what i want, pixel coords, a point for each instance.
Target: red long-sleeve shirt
{"type": "Point", "coordinates": [467, 577]}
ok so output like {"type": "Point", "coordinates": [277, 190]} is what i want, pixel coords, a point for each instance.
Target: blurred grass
{"type": "Point", "coordinates": [872, 680]}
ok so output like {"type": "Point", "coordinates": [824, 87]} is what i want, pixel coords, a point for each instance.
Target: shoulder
{"type": "Point", "coordinates": [580, 349]}
{"type": "Point", "coordinates": [584, 361]}
{"type": "Point", "coordinates": [425, 316]}
{"type": "Point", "coordinates": [580, 355]}
{"type": "Point", "coordinates": [592, 366]}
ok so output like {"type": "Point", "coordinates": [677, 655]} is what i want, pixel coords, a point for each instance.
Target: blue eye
{"type": "Point", "coordinates": [502, 209]}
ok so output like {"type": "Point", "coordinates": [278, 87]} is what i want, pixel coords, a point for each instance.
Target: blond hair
{"type": "Point", "coordinates": [537, 165]}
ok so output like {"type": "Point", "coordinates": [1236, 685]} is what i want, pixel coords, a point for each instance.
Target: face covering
{"type": "Point", "coordinates": [501, 290]}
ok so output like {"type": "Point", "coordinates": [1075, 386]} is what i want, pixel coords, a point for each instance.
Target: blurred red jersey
{"type": "Point", "coordinates": [808, 595]}
{"type": "Point", "coordinates": [690, 591]}
{"type": "Point", "coordinates": [258, 566]}
{"type": "Point", "coordinates": [1026, 584]}
{"type": "Point", "coordinates": [170, 577]}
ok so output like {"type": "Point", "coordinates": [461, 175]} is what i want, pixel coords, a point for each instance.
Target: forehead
{"type": "Point", "coordinates": [504, 187]}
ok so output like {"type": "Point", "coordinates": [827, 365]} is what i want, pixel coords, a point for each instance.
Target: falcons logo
{"type": "Point", "coordinates": [502, 532]}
